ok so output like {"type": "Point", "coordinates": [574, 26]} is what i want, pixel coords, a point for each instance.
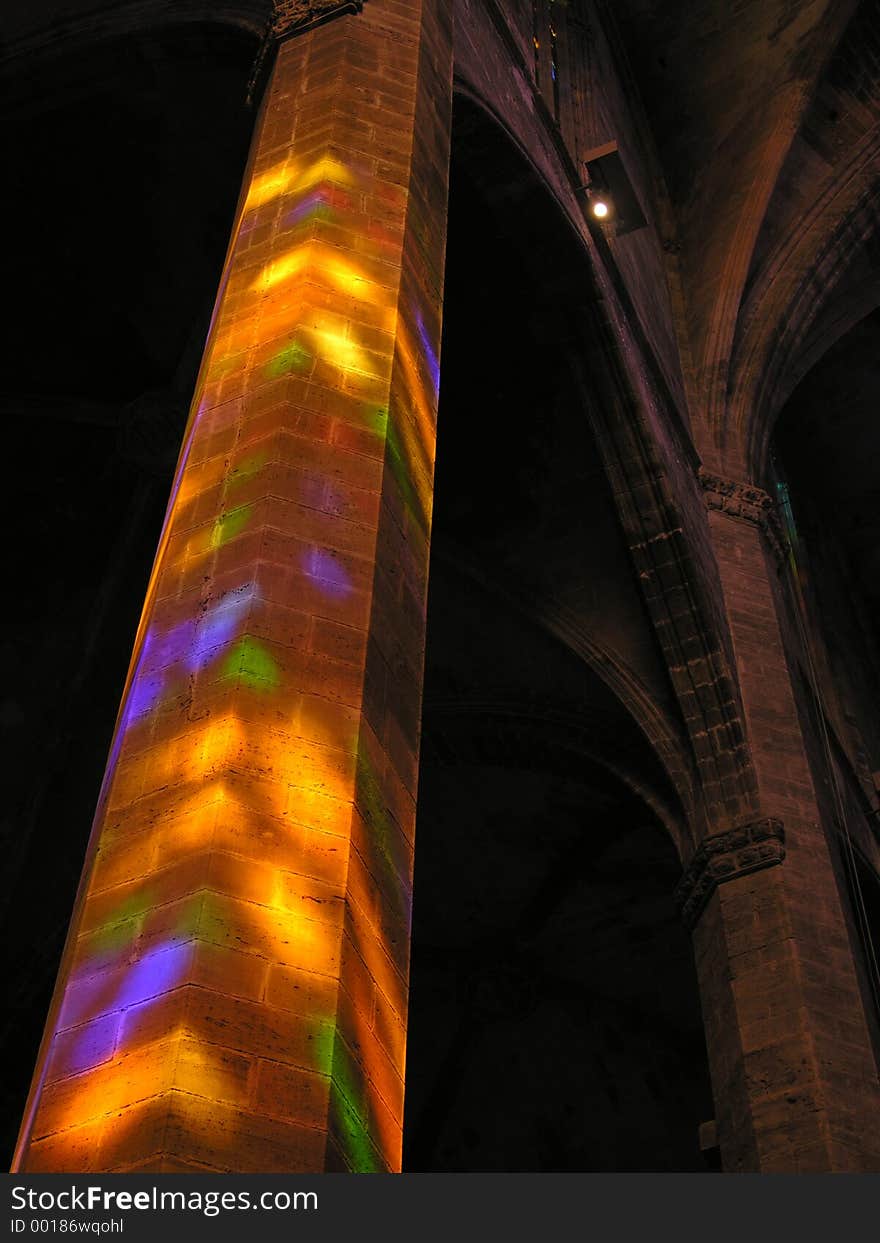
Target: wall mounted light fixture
{"type": "Point", "coordinates": [610, 193]}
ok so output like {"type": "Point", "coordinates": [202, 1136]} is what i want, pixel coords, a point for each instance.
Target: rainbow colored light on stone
{"type": "Point", "coordinates": [239, 959]}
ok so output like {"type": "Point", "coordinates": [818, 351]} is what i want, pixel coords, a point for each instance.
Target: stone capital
{"type": "Point", "coordinates": [746, 502]}
{"type": "Point", "coordinates": [726, 856]}
{"type": "Point", "coordinates": [293, 17]}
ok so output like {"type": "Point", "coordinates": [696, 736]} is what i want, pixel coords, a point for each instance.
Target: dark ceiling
{"type": "Point", "coordinates": [827, 448]}
{"type": "Point", "coordinates": [554, 1016]}
{"type": "Point", "coordinates": [123, 168]}
{"type": "Point", "coordinates": [827, 438]}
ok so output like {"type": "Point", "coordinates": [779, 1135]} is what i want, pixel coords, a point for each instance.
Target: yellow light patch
{"type": "Point", "coordinates": [188, 761]}
{"type": "Point", "coordinates": [324, 169]}
{"type": "Point", "coordinates": [211, 748]}
{"type": "Point", "coordinates": [298, 941]}
{"type": "Point", "coordinates": [282, 269]}
{"type": "Point", "coordinates": [335, 347]}
{"type": "Point", "coordinates": [285, 178]}
{"type": "Point", "coordinates": [345, 275]}
{"type": "Point", "coordinates": [321, 264]}
{"type": "Point", "coordinates": [200, 1069]}
{"type": "Point", "coordinates": [270, 184]}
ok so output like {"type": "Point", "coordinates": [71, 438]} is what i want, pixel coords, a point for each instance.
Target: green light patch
{"type": "Point", "coordinates": [229, 525]}
{"type": "Point", "coordinates": [250, 662]}
{"type": "Point", "coordinates": [376, 418]}
{"type": "Point", "coordinates": [294, 357]}
{"type": "Point", "coordinates": [247, 468]}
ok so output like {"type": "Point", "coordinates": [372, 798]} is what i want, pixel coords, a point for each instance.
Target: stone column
{"type": "Point", "coordinates": [794, 1077]}
{"type": "Point", "coordinates": [233, 994]}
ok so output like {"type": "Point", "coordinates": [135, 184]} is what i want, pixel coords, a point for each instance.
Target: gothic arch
{"type": "Point", "coordinates": [36, 43]}
{"type": "Point", "coordinates": [543, 676]}
{"type": "Point", "coordinates": [811, 270]}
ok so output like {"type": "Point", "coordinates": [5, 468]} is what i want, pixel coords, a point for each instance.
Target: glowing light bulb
{"type": "Point", "coordinates": [600, 209]}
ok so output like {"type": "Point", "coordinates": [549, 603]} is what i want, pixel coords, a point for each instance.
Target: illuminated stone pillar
{"type": "Point", "coordinates": [793, 1071]}
{"type": "Point", "coordinates": [233, 994]}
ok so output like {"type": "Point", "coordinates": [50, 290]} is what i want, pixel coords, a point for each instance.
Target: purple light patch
{"type": "Point", "coordinates": [312, 203]}
{"type": "Point", "coordinates": [94, 1043]}
{"type": "Point", "coordinates": [312, 491]}
{"type": "Point", "coordinates": [155, 973]}
{"type": "Point", "coordinates": [432, 359]}
{"type": "Point", "coordinates": [334, 580]}
{"type": "Point", "coordinates": [146, 692]}
{"type": "Point", "coordinates": [333, 502]}
{"type": "Point", "coordinates": [218, 627]}
{"type": "Point", "coordinates": [169, 648]}
{"type": "Point", "coordinates": [190, 642]}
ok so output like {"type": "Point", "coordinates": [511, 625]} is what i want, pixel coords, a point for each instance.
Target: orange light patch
{"type": "Point", "coordinates": [424, 408]}
{"type": "Point", "coordinates": [126, 1079]}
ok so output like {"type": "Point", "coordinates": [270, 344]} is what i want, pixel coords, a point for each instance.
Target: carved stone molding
{"type": "Point", "coordinates": [746, 502]}
{"type": "Point", "coordinates": [292, 17]}
{"type": "Point", "coordinates": [725, 856]}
